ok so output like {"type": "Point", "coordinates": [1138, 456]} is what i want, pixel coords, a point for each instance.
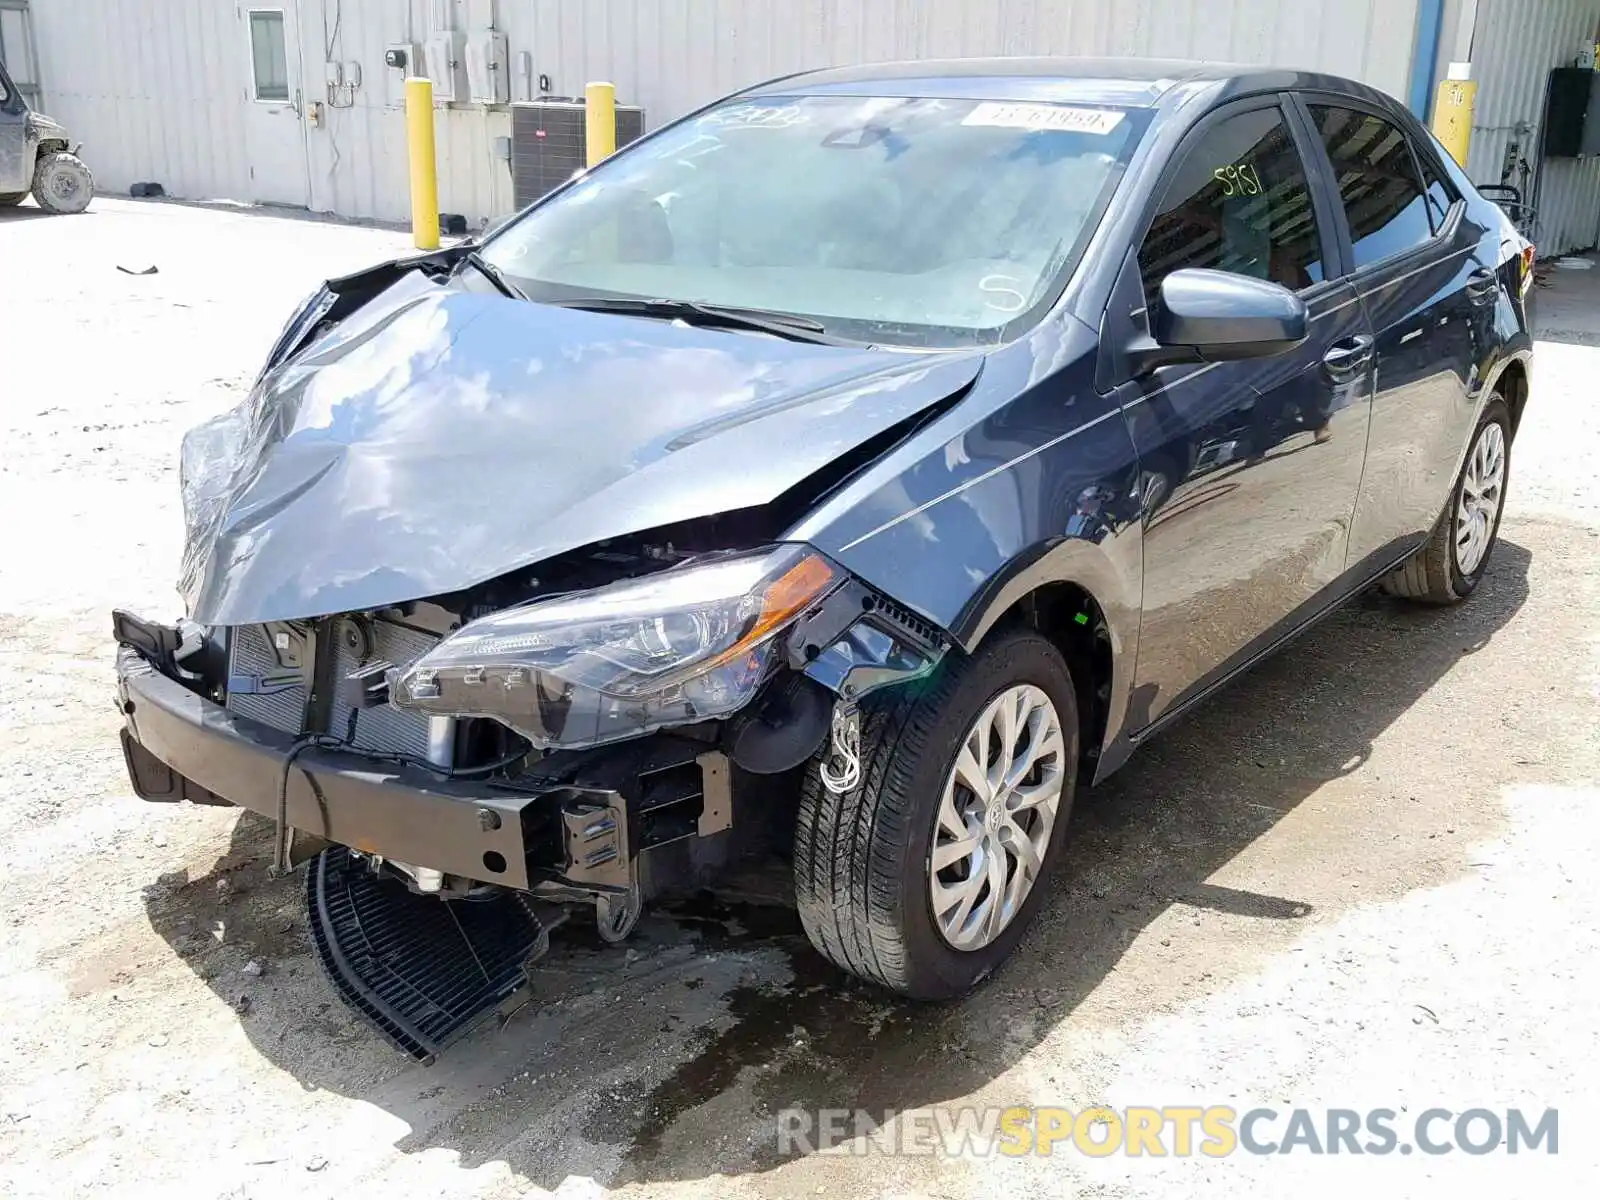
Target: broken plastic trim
{"type": "Point", "coordinates": [858, 641]}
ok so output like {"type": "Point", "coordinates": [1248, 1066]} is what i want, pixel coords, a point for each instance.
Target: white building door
{"type": "Point", "coordinates": [275, 131]}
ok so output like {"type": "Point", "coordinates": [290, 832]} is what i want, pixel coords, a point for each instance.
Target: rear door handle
{"type": "Point", "coordinates": [1349, 357]}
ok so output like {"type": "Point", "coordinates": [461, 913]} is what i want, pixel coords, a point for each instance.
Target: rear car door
{"type": "Point", "coordinates": [1424, 292]}
{"type": "Point", "coordinates": [1249, 470]}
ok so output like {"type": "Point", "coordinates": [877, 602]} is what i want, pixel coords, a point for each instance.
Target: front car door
{"type": "Point", "coordinates": [1249, 470]}
{"type": "Point", "coordinates": [16, 163]}
{"type": "Point", "coordinates": [1424, 291]}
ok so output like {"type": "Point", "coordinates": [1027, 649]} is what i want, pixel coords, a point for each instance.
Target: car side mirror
{"type": "Point", "coordinates": [1217, 316]}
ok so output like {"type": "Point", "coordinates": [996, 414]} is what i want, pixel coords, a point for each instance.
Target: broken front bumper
{"type": "Point", "coordinates": [181, 746]}
{"type": "Point", "coordinates": [423, 971]}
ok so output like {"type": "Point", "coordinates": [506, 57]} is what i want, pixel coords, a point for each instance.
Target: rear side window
{"type": "Point", "coordinates": [1238, 202]}
{"type": "Point", "coordinates": [1382, 193]}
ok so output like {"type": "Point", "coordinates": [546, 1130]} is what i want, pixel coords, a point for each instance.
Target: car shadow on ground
{"type": "Point", "coordinates": [786, 1030]}
{"type": "Point", "coordinates": [24, 212]}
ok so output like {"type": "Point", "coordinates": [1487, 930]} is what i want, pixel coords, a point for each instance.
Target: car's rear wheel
{"type": "Point", "coordinates": [924, 876]}
{"type": "Point", "coordinates": [1448, 567]}
{"type": "Point", "coordinates": [62, 184]}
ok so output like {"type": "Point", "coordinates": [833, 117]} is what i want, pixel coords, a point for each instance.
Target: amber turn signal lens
{"type": "Point", "coordinates": [786, 598]}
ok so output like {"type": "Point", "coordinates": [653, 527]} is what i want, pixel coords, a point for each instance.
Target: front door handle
{"type": "Point", "coordinates": [1349, 357]}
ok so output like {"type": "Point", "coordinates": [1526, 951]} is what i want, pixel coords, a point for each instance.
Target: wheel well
{"type": "Point", "coordinates": [1073, 619]}
{"type": "Point", "coordinates": [51, 146]}
{"type": "Point", "coordinates": [1514, 387]}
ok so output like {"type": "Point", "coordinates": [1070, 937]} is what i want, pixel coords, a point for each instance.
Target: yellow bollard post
{"type": "Point", "coordinates": [424, 170]}
{"type": "Point", "coordinates": [600, 120]}
{"type": "Point", "coordinates": [1452, 111]}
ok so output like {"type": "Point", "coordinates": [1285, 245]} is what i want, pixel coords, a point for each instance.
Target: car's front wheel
{"type": "Point", "coordinates": [1446, 570]}
{"type": "Point", "coordinates": [62, 184]}
{"type": "Point", "coordinates": [924, 875]}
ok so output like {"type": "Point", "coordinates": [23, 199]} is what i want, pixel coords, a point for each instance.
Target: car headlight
{"type": "Point", "coordinates": [688, 644]}
{"type": "Point", "coordinates": [311, 311]}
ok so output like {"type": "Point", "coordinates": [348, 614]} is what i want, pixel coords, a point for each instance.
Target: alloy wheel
{"type": "Point", "coordinates": [1482, 491]}
{"type": "Point", "coordinates": [999, 806]}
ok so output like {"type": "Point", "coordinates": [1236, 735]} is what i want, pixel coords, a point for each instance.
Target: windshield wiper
{"type": "Point", "coordinates": [779, 324]}
{"type": "Point", "coordinates": [494, 275]}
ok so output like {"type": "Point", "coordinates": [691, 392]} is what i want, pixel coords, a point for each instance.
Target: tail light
{"type": "Point", "coordinates": [1527, 271]}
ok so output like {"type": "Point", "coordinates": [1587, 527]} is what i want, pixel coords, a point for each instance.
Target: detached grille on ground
{"type": "Point", "coordinates": [422, 969]}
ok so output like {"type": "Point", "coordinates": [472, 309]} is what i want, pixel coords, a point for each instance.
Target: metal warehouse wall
{"type": "Point", "coordinates": [147, 87]}
{"type": "Point", "coordinates": [156, 87]}
{"type": "Point", "coordinates": [1514, 46]}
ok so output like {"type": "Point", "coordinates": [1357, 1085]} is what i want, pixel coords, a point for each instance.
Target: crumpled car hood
{"type": "Point", "coordinates": [438, 438]}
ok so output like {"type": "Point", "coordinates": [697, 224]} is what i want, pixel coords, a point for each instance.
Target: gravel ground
{"type": "Point", "coordinates": [1362, 877]}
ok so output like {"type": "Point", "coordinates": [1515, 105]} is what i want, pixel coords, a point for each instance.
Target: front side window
{"type": "Point", "coordinates": [893, 220]}
{"type": "Point", "coordinates": [1382, 194]}
{"type": "Point", "coordinates": [1238, 202]}
{"type": "Point", "coordinates": [268, 57]}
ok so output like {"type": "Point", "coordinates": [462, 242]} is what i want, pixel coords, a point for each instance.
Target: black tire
{"type": "Point", "coordinates": [62, 184]}
{"type": "Point", "coordinates": [861, 860]}
{"type": "Point", "coordinates": [12, 199]}
{"type": "Point", "coordinates": [1432, 575]}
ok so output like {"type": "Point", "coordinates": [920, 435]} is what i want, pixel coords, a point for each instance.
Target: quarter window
{"type": "Point", "coordinates": [1238, 202]}
{"type": "Point", "coordinates": [1378, 182]}
{"type": "Point", "coordinates": [268, 59]}
{"type": "Point", "coordinates": [1440, 196]}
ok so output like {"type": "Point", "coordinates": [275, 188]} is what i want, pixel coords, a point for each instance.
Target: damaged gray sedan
{"type": "Point", "coordinates": [838, 474]}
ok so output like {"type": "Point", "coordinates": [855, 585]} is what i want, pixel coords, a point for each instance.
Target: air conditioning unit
{"type": "Point", "coordinates": [548, 143]}
{"type": "Point", "coordinates": [446, 58]}
{"type": "Point", "coordinates": [488, 69]}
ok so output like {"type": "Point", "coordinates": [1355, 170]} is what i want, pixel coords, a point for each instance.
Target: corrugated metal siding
{"type": "Point", "coordinates": [153, 88]}
{"type": "Point", "coordinates": [1515, 45]}
{"type": "Point", "coordinates": [674, 55]}
{"type": "Point", "coordinates": [156, 87]}
{"type": "Point", "coordinates": [358, 157]}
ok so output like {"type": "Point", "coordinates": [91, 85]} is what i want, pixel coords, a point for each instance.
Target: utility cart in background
{"type": "Point", "coordinates": [35, 156]}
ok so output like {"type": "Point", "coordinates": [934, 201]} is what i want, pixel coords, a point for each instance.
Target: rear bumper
{"type": "Point", "coordinates": [181, 746]}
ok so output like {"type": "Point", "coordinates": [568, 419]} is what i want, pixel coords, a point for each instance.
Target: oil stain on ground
{"type": "Point", "coordinates": [821, 1040]}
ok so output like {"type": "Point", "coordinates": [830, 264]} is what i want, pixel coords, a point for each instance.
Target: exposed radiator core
{"type": "Point", "coordinates": [270, 684]}
{"type": "Point", "coordinates": [359, 645]}
{"type": "Point", "coordinates": [252, 657]}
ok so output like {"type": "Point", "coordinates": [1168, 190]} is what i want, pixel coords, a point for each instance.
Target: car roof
{"type": "Point", "coordinates": [1126, 81]}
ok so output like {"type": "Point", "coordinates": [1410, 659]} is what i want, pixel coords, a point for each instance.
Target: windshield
{"type": "Point", "coordinates": [886, 220]}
